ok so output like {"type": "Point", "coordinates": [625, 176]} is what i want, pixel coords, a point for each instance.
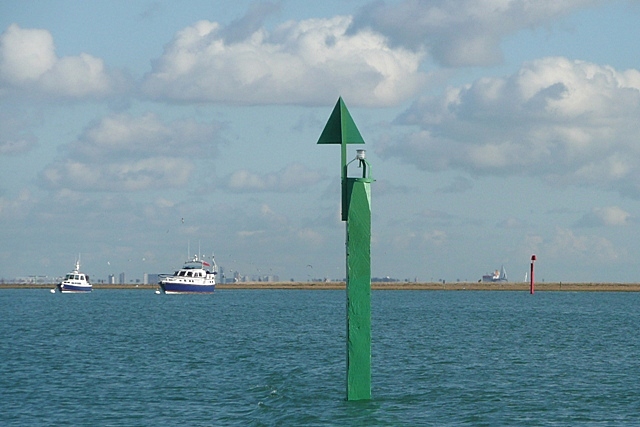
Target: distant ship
{"type": "Point", "coordinates": [74, 282]}
{"type": "Point", "coordinates": [497, 276]}
{"type": "Point", "coordinates": [194, 277]}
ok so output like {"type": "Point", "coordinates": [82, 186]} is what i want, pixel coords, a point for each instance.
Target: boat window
{"type": "Point", "coordinates": [76, 277]}
{"type": "Point", "coordinates": [189, 274]}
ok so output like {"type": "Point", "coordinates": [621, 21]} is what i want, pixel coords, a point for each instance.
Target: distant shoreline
{"type": "Point", "coordinates": [409, 286]}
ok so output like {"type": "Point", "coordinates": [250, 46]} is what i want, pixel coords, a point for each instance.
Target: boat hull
{"type": "Point", "coordinates": [170, 288]}
{"type": "Point", "coordinates": [74, 289]}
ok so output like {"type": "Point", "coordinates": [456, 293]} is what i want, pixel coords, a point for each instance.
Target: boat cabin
{"type": "Point", "coordinates": [185, 273]}
{"type": "Point", "coordinates": [71, 276]}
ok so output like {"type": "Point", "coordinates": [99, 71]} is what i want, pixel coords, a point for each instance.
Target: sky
{"type": "Point", "coordinates": [137, 133]}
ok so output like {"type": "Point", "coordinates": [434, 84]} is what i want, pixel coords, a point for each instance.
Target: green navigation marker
{"type": "Point", "coordinates": [340, 129]}
{"type": "Point", "coordinates": [356, 211]}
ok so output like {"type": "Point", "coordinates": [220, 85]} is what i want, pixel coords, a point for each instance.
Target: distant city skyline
{"type": "Point", "coordinates": [494, 130]}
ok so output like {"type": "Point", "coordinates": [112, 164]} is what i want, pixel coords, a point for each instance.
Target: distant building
{"type": "Point", "coordinates": [121, 279]}
{"type": "Point", "coordinates": [153, 279]}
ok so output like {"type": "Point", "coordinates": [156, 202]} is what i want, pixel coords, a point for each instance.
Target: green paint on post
{"type": "Point", "coordinates": [356, 211]}
{"type": "Point", "coordinates": [359, 289]}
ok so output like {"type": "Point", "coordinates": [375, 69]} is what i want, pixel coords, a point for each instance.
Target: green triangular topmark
{"type": "Point", "coordinates": [340, 127]}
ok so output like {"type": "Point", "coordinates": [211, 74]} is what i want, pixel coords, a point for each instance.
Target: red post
{"type": "Point", "coordinates": [532, 286]}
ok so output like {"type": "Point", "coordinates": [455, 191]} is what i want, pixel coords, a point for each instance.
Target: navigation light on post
{"type": "Point", "coordinates": [362, 163]}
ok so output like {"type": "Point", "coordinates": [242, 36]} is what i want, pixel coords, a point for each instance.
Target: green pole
{"type": "Point", "coordinates": [356, 211]}
{"type": "Point", "coordinates": [359, 289]}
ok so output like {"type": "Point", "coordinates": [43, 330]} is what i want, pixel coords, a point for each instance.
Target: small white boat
{"type": "Point", "coordinates": [196, 277]}
{"type": "Point", "coordinates": [75, 282]}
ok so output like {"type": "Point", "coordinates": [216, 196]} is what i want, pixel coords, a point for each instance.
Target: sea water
{"type": "Point", "coordinates": [277, 358]}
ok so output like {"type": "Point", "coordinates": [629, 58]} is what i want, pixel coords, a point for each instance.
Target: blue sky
{"type": "Point", "coordinates": [135, 132]}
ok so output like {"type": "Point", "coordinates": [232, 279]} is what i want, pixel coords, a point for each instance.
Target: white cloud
{"type": "Point", "coordinates": [244, 234]}
{"type": "Point", "coordinates": [278, 229]}
{"type": "Point", "coordinates": [127, 153]}
{"type": "Point", "coordinates": [608, 216]}
{"type": "Point", "coordinates": [9, 145]}
{"type": "Point", "coordinates": [145, 135]}
{"type": "Point", "coordinates": [511, 223]}
{"type": "Point", "coordinates": [310, 237]}
{"type": "Point", "coordinates": [569, 246]}
{"type": "Point", "coordinates": [25, 54]}
{"type": "Point", "coordinates": [28, 63]}
{"type": "Point", "coordinates": [293, 178]}
{"type": "Point", "coordinates": [15, 134]}
{"type": "Point", "coordinates": [405, 240]}
{"type": "Point", "coordinates": [306, 62]}
{"type": "Point", "coordinates": [151, 173]}
{"type": "Point", "coordinates": [613, 215]}
{"type": "Point", "coordinates": [162, 203]}
{"type": "Point", "coordinates": [460, 33]}
{"type": "Point", "coordinates": [570, 122]}
{"type": "Point", "coordinates": [435, 237]}
{"type": "Point", "coordinates": [76, 77]}
{"type": "Point", "coordinates": [14, 208]}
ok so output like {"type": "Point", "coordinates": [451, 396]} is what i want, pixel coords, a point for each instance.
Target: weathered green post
{"type": "Point", "coordinates": [356, 211]}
